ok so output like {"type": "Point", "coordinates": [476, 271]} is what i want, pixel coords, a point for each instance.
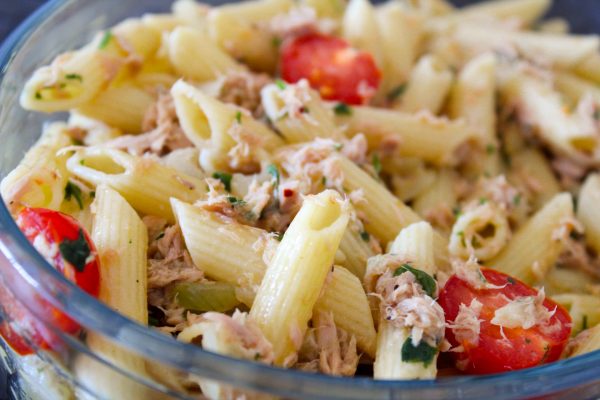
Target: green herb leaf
{"type": "Point", "coordinates": [235, 201]}
{"type": "Point", "coordinates": [76, 77]}
{"type": "Point", "coordinates": [338, 146]}
{"type": "Point", "coordinates": [280, 84]}
{"type": "Point", "coordinates": [490, 148]}
{"type": "Point", "coordinates": [238, 117]}
{"type": "Point", "coordinates": [105, 39]}
{"type": "Point", "coordinates": [376, 163]}
{"type": "Point", "coordinates": [482, 201]}
{"type": "Point", "coordinates": [425, 280]}
{"type": "Point", "coordinates": [456, 212]}
{"type": "Point", "coordinates": [364, 235]}
{"type": "Point", "coordinates": [423, 353]}
{"type": "Point", "coordinates": [510, 280]}
{"type": "Point", "coordinates": [225, 178]}
{"type": "Point", "coordinates": [274, 172]}
{"type": "Point", "coordinates": [396, 92]}
{"type": "Point", "coordinates": [72, 190]}
{"type": "Point", "coordinates": [160, 235]}
{"type": "Point", "coordinates": [276, 41]}
{"type": "Point", "coordinates": [38, 95]}
{"type": "Point", "coordinates": [584, 323]}
{"type": "Point", "coordinates": [517, 199]}
{"type": "Point", "coordinates": [75, 252]}
{"type": "Point", "coordinates": [342, 109]}
{"type": "Point", "coordinates": [279, 236]}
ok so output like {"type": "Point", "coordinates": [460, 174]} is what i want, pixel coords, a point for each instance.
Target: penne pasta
{"type": "Point", "coordinates": [311, 118]}
{"type": "Point", "coordinates": [221, 131]}
{"type": "Point", "coordinates": [418, 135]}
{"type": "Point", "coordinates": [40, 178]}
{"type": "Point", "coordinates": [145, 183]}
{"type": "Point", "coordinates": [429, 85]}
{"type": "Point", "coordinates": [535, 246]}
{"type": "Point", "coordinates": [297, 273]}
{"type": "Point", "coordinates": [194, 56]}
{"type": "Point", "coordinates": [587, 211]}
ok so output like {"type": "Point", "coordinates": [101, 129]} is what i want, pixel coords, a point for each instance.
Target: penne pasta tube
{"type": "Point", "coordinates": [195, 56]}
{"type": "Point", "coordinates": [414, 243]}
{"type": "Point", "coordinates": [575, 88]}
{"type": "Point", "coordinates": [297, 273]}
{"type": "Point", "coordinates": [540, 106]}
{"type": "Point", "coordinates": [304, 119]}
{"type": "Point", "coordinates": [241, 29]}
{"type": "Point", "coordinates": [385, 215]}
{"type": "Point", "coordinates": [437, 202]}
{"type": "Point", "coordinates": [360, 28]}
{"type": "Point", "coordinates": [560, 51]}
{"type": "Point", "coordinates": [122, 107]}
{"type": "Point", "coordinates": [356, 249]}
{"type": "Point", "coordinates": [238, 254]}
{"type": "Point", "coordinates": [531, 170]}
{"type": "Point", "coordinates": [583, 308]}
{"type": "Point", "coordinates": [587, 210]}
{"type": "Point", "coordinates": [71, 80]}
{"type": "Point", "coordinates": [143, 40]}
{"type": "Point", "coordinates": [40, 178]}
{"type": "Point", "coordinates": [221, 131]}
{"type": "Point", "coordinates": [418, 135]}
{"type": "Point", "coordinates": [589, 68]}
{"type": "Point", "coordinates": [535, 246]}
{"type": "Point", "coordinates": [474, 96]}
{"type": "Point", "coordinates": [345, 297]}
{"type": "Point", "coordinates": [121, 240]}
{"type": "Point", "coordinates": [482, 231]}
{"type": "Point", "coordinates": [333, 9]}
{"type": "Point", "coordinates": [395, 21]}
{"type": "Point", "coordinates": [525, 11]}
{"type": "Point", "coordinates": [429, 85]}
{"type": "Point", "coordinates": [146, 184]}
{"type": "Point", "coordinates": [588, 342]}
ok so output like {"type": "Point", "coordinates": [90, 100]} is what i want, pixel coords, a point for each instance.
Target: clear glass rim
{"type": "Point", "coordinates": [98, 317]}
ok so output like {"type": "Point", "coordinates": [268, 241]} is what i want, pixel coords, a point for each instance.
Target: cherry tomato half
{"type": "Point", "coordinates": [332, 66]}
{"type": "Point", "coordinates": [66, 245]}
{"type": "Point", "coordinates": [508, 349]}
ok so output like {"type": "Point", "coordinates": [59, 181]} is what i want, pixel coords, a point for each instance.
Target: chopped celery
{"type": "Point", "coordinates": [205, 296]}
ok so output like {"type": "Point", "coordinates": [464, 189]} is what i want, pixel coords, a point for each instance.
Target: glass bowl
{"type": "Point", "coordinates": [64, 24]}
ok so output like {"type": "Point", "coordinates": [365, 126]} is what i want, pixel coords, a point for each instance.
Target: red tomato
{"type": "Point", "coordinates": [519, 348]}
{"type": "Point", "coordinates": [332, 66]}
{"type": "Point", "coordinates": [63, 243]}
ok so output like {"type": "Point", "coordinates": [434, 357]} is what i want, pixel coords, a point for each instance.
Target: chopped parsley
{"type": "Point", "coordinates": [461, 235]}
{"type": "Point", "coordinates": [376, 163]}
{"type": "Point", "coordinates": [225, 179]}
{"type": "Point", "coordinates": [396, 92]}
{"type": "Point", "coordinates": [38, 95]}
{"type": "Point", "coordinates": [280, 84]}
{"type": "Point", "coordinates": [279, 236]}
{"type": "Point", "coordinates": [93, 194]}
{"type": "Point", "coordinates": [364, 235]}
{"type": "Point", "coordinates": [324, 180]}
{"type": "Point", "coordinates": [482, 201]}
{"type": "Point", "coordinates": [160, 235]}
{"type": "Point", "coordinates": [517, 199]}
{"type": "Point", "coordinates": [72, 190]}
{"type": "Point", "coordinates": [597, 114]}
{"type": "Point", "coordinates": [105, 39]}
{"type": "Point", "coordinates": [510, 280]}
{"type": "Point", "coordinates": [276, 41]}
{"type": "Point", "coordinates": [238, 117]}
{"type": "Point", "coordinates": [338, 146]}
{"type": "Point", "coordinates": [342, 109]}
{"type": "Point", "coordinates": [584, 323]}
{"type": "Point", "coordinates": [274, 172]}
{"type": "Point", "coordinates": [425, 280]}
{"type": "Point", "coordinates": [456, 211]}
{"type": "Point", "coordinates": [490, 149]}
{"type": "Point", "coordinates": [76, 77]}
{"type": "Point", "coordinates": [75, 252]}
{"type": "Point", "coordinates": [423, 353]}
{"type": "Point", "coordinates": [235, 201]}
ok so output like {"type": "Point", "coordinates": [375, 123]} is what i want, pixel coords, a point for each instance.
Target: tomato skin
{"type": "Point", "coordinates": [51, 232]}
{"type": "Point", "coordinates": [331, 66]}
{"type": "Point", "coordinates": [525, 348]}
